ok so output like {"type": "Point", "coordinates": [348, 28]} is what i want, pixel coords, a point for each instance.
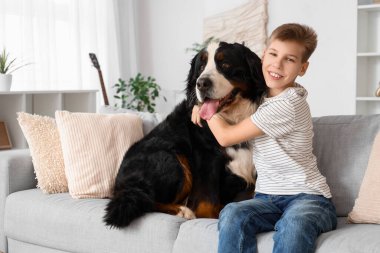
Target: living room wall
{"type": "Point", "coordinates": [167, 27]}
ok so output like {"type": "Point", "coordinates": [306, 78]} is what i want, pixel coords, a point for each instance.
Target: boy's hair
{"type": "Point", "coordinates": [302, 34]}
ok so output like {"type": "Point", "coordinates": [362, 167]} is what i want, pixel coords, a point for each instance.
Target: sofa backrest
{"type": "Point", "coordinates": [150, 120]}
{"type": "Point", "coordinates": [342, 145]}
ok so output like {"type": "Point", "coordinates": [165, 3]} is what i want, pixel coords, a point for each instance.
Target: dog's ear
{"type": "Point", "coordinates": [192, 80]}
{"type": "Point", "coordinates": [223, 44]}
{"type": "Point", "coordinates": [256, 72]}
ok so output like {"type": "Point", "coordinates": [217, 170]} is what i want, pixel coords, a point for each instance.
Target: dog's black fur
{"type": "Point", "coordinates": [179, 163]}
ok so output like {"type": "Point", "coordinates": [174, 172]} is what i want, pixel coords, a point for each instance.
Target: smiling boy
{"type": "Point", "coordinates": [292, 197]}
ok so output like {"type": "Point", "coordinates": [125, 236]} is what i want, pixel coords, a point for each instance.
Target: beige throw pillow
{"type": "Point", "coordinates": [367, 205]}
{"type": "Point", "coordinates": [42, 136]}
{"type": "Point", "coordinates": [93, 147]}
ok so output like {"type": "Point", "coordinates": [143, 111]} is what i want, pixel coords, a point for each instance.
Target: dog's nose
{"type": "Point", "coordinates": [204, 83]}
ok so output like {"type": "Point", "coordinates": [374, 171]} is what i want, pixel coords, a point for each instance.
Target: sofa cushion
{"type": "Point", "coordinates": [201, 236]}
{"type": "Point", "coordinates": [342, 145]}
{"type": "Point", "coordinates": [367, 205]}
{"type": "Point", "coordinates": [93, 147]}
{"type": "Point", "coordinates": [75, 225]}
{"type": "Point", "coordinates": [42, 135]}
{"type": "Point", "coordinates": [23, 247]}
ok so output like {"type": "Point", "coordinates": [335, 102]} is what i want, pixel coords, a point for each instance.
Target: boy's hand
{"type": "Point", "coordinates": [195, 117]}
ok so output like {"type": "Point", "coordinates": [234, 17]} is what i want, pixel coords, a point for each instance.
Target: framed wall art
{"type": "Point", "coordinates": [5, 141]}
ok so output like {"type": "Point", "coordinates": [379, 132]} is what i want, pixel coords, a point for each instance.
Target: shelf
{"type": "Point", "coordinates": [367, 57]}
{"type": "Point", "coordinates": [369, 7]}
{"type": "Point", "coordinates": [42, 103]}
{"type": "Point", "coordinates": [45, 92]}
{"type": "Point", "coordinates": [369, 54]}
{"type": "Point", "coordinates": [368, 99]}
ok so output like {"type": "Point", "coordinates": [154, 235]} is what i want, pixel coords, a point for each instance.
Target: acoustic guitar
{"type": "Point", "coordinates": [95, 62]}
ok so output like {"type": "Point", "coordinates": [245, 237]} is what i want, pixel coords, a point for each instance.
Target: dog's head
{"type": "Point", "coordinates": [221, 74]}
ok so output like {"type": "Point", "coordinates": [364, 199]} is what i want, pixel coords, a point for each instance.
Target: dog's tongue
{"type": "Point", "coordinates": [208, 108]}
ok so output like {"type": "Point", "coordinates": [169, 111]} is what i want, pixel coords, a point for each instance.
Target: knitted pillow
{"type": "Point", "coordinates": [42, 136]}
{"type": "Point", "coordinates": [93, 147]}
{"type": "Point", "coordinates": [367, 205]}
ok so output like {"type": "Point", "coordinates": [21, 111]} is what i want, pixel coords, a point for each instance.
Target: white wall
{"type": "Point", "coordinates": [168, 27]}
{"type": "Point", "coordinates": [330, 79]}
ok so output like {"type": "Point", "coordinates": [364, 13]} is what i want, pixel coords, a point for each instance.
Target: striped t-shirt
{"type": "Point", "coordinates": [283, 156]}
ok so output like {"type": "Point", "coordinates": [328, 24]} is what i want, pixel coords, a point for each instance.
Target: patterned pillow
{"type": "Point", "coordinates": [93, 147]}
{"type": "Point", "coordinates": [367, 205]}
{"type": "Point", "coordinates": [42, 136]}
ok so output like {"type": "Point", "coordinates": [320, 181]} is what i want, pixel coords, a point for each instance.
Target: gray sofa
{"type": "Point", "coordinates": [31, 221]}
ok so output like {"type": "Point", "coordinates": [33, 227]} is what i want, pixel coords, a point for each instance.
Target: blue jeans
{"type": "Point", "coordinates": [297, 220]}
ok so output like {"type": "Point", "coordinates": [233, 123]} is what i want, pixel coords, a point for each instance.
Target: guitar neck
{"type": "Point", "coordinates": [95, 62]}
{"type": "Point", "coordinates": [104, 92]}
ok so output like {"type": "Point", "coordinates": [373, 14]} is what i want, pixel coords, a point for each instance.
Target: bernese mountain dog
{"type": "Point", "coordinates": [179, 168]}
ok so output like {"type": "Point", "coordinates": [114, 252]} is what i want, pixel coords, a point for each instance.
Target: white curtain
{"type": "Point", "coordinates": [56, 36]}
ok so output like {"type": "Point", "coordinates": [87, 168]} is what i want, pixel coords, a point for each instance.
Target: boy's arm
{"type": "Point", "coordinates": [227, 134]}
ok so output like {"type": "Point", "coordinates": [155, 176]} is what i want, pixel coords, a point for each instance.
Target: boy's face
{"type": "Point", "coordinates": [282, 63]}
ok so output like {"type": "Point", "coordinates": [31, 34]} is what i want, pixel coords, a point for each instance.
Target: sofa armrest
{"type": "Point", "coordinates": [16, 174]}
{"type": "Point", "coordinates": [16, 171]}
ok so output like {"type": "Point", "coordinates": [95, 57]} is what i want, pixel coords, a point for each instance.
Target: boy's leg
{"type": "Point", "coordinates": [304, 219]}
{"type": "Point", "coordinates": [239, 223]}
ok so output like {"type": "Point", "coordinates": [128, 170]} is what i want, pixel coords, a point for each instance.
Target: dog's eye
{"type": "Point", "coordinates": [202, 68]}
{"type": "Point", "coordinates": [226, 66]}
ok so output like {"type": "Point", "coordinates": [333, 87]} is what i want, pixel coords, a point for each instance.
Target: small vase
{"type": "Point", "coordinates": [377, 93]}
{"type": "Point", "coordinates": [5, 82]}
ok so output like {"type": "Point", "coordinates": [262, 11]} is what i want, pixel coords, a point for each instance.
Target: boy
{"type": "Point", "coordinates": [292, 197]}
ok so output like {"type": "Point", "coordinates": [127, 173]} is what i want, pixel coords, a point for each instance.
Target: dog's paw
{"type": "Point", "coordinates": [186, 213]}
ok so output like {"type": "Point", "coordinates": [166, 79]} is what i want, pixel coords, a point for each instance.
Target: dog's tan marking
{"type": "Point", "coordinates": [207, 210]}
{"type": "Point", "coordinates": [204, 55]}
{"type": "Point", "coordinates": [219, 56]}
{"type": "Point", "coordinates": [187, 180]}
{"type": "Point", "coordinates": [238, 110]}
{"type": "Point", "coordinates": [242, 86]}
{"type": "Point", "coordinates": [177, 208]}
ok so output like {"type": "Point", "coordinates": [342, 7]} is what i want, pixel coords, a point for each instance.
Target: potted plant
{"type": "Point", "coordinates": [7, 67]}
{"type": "Point", "coordinates": [138, 94]}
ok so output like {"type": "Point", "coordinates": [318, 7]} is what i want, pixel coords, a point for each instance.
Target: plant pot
{"type": "Point", "coordinates": [5, 82]}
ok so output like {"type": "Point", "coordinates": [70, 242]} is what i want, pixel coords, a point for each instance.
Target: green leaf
{"type": "Point", "coordinates": [7, 66]}
{"type": "Point", "coordinates": [139, 93]}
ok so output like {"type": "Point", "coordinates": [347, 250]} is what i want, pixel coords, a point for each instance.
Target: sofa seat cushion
{"type": "Point", "coordinates": [201, 236]}
{"type": "Point", "coordinates": [75, 225]}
